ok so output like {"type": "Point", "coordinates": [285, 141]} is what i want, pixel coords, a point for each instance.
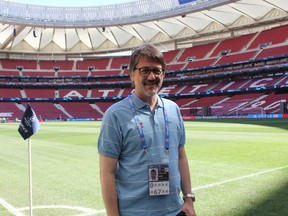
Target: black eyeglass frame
{"type": "Point", "coordinates": [157, 72]}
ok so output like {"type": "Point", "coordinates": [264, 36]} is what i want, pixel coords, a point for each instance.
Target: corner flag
{"type": "Point", "coordinates": [29, 124]}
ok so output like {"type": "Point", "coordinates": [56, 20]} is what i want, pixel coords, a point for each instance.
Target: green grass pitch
{"type": "Point", "coordinates": [238, 168]}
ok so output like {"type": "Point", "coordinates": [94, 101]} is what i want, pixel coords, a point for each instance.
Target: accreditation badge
{"type": "Point", "coordinates": [158, 179]}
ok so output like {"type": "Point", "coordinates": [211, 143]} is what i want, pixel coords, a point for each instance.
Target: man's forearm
{"type": "Point", "coordinates": [109, 195]}
{"type": "Point", "coordinates": [187, 207]}
{"type": "Point", "coordinates": [108, 185]}
{"type": "Point", "coordinates": [185, 173]}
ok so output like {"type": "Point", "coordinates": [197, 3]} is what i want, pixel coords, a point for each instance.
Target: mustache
{"type": "Point", "coordinates": [156, 81]}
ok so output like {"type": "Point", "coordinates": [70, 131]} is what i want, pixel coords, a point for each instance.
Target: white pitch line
{"type": "Point", "coordinates": [86, 211]}
{"type": "Point", "coordinates": [239, 178]}
{"type": "Point", "coordinates": [10, 208]}
{"type": "Point", "coordinates": [90, 212]}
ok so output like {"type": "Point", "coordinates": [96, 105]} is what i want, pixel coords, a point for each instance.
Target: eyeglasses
{"type": "Point", "coordinates": [145, 71]}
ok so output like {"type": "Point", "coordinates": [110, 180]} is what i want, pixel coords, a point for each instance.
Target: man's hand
{"type": "Point", "coordinates": [188, 207]}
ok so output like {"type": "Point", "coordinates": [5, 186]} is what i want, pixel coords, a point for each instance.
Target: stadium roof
{"type": "Point", "coordinates": [38, 30]}
{"type": "Point", "coordinates": [72, 3]}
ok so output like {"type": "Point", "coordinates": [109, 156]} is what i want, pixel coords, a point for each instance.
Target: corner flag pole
{"type": "Point", "coordinates": [29, 125]}
{"type": "Point", "coordinates": [30, 175]}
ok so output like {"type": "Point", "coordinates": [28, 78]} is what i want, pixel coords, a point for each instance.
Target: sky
{"type": "Point", "coordinates": [72, 3]}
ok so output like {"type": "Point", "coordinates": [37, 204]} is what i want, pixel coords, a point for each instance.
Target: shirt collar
{"type": "Point", "coordinates": [140, 104]}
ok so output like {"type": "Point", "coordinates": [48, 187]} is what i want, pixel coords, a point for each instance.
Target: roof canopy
{"type": "Point", "coordinates": [32, 29]}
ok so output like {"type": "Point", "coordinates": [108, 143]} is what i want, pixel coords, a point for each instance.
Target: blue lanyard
{"type": "Point", "coordinates": [140, 129]}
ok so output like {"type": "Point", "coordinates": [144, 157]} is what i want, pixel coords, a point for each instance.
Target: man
{"type": "Point", "coordinates": [153, 175]}
{"type": "Point", "coordinates": [140, 133]}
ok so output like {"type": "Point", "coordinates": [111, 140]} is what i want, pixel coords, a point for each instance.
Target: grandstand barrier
{"type": "Point", "coordinates": [265, 116]}
{"type": "Point", "coordinates": [250, 116]}
{"type": "Point", "coordinates": [82, 119]}
{"type": "Point", "coordinates": [6, 114]}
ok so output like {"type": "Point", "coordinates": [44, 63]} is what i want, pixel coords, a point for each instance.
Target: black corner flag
{"type": "Point", "coordinates": [29, 123]}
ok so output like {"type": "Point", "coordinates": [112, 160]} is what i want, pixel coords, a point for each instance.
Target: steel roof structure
{"type": "Point", "coordinates": [43, 30]}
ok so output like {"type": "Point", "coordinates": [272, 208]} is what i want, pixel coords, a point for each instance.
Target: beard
{"type": "Point", "coordinates": [150, 88]}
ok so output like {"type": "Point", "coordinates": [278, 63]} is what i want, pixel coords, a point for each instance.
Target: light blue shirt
{"type": "Point", "coordinates": [119, 138]}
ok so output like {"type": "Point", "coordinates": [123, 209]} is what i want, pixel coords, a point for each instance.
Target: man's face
{"type": "Point", "coordinates": [153, 175]}
{"type": "Point", "coordinates": [146, 87]}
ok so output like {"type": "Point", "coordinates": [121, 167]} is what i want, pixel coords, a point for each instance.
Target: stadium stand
{"type": "Point", "coordinates": [49, 111]}
{"type": "Point", "coordinates": [39, 93]}
{"type": "Point", "coordinates": [273, 51]}
{"type": "Point", "coordinates": [229, 76]}
{"type": "Point", "coordinates": [119, 62]}
{"type": "Point", "coordinates": [233, 45]}
{"type": "Point", "coordinates": [18, 63]}
{"type": "Point", "coordinates": [237, 57]}
{"type": "Point", "coordinates": [38, 73]}
{"type": "Point", "coordinates": [63, 65]}
{"type": "Point", "coordinates": [79, 110]}
{"type": "Point", "coordinates": [196, 52]}
{"type": "Point", "coordinates": [10, 93]}
{"type": "Point", "coordinates": [96, 63]}
{"type": "Point", "coordinates": [276, 35]}
{"type": "Point", "coordinates": [105, 72]}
